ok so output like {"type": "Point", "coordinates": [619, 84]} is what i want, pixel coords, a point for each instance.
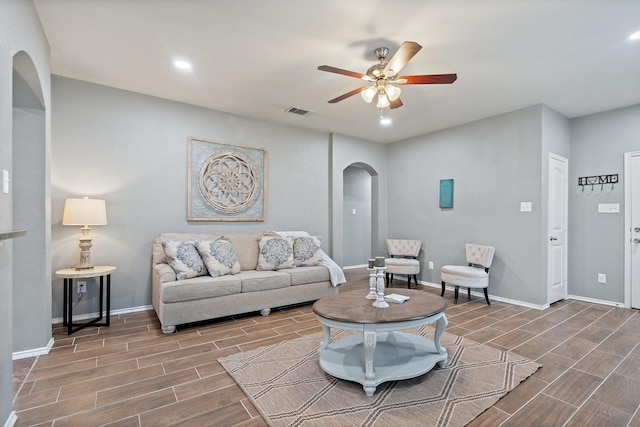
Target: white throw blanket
{"type": "Point", "coordinates": [335, 272]}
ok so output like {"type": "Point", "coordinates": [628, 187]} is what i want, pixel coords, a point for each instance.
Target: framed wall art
{"type": "Point", "coordinates": [225, 182]}
{"type": "Point", "coordinates": [446, 193]}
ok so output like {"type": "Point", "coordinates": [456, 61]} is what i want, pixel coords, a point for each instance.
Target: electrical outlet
{"type": "Point", "coordinates": [82, 287]}
{"type": "Point", "coordinates": [602, 278]}
{"type": "Point", "coordinates": [430, 265]}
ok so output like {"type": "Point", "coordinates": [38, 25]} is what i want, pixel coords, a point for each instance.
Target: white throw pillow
{"type": "Point", "coordinates": [219, 257]}
{"type": "Point", "coordinates": [306, 251]}
{"type": "Point", "coordinates": [275, 253]}
{"type": "Point", "coordinates": [184, 259]}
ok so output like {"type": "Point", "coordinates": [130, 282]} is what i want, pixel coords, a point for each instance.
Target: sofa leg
{"type": "Point", "coordinates": [408, 281]}
{"type": "Point", "coordinates": [486, 296]}
{"type": "Point", "coordinates": [455, 295]}
{"type": "Point", "coordinates": [265, 311]}
{"type": "Point", "coordinates": [469, 293]}
{"type": "Point", "coordinates": [442, 294]}
{"type": "Point", "coordinates": [168, 329]}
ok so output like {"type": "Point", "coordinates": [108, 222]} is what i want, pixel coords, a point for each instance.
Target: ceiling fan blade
{"type": "Point", "coordinates": [331, 69]}
{"type": "Point", "coordinates": [405, 52]}
{"type": "Point", "coordinates": [347, 95]}
{"type": "Point", "coordinates": [395, 104]}
{"type": "Point", "coordinates": [432, 79]}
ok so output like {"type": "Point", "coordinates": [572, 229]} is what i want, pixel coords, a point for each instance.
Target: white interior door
{"type": "Point", "coordinates": [557, 233]}
{"type": "Point", "coordinates": [632, 229]}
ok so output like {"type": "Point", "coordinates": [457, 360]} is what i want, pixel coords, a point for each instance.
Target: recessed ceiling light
{"type": "Point", "coordinates": [635, 36]}
{"type": "Point", "coordinates": [183, 65]}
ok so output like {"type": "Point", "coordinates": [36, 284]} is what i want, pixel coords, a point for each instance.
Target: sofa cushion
{"type": "Point", "coordinates": [263, 280]}
{"type": "Point", "coordinates": [275, 253]}
{"type": "Point", "coordinates": [306, 251]}
{"type": "Point", "coordinates": [198, 288]}
{"type": "Point", "coordinates": [184, 258]}
{"type": "Point", "coordinates": [304, 275]}
{"type": "Point", "coordinates": [218, 256]}
{"type": "Point", "coordinates": [158, 254]}
{"type": "Point", "coordinates": [245, 246]}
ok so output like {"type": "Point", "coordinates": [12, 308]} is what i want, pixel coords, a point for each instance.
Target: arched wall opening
{"type": "Point", "coordinates": [31, 300]}
{"type": "Point", "coordinates": [360, 213]}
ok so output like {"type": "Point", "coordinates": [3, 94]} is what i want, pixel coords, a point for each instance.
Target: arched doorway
{"type": "Point", "coordinates": [360, 218]}
{"type": "Point", "coordinates": [29, 192]}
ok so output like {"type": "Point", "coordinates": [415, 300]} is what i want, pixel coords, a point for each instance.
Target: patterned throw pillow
{"type": "Point", "coordinates": [275, 253]}
{"type": "Point", "coordinates": [219, 257]}
{"type": "Point", "coordinates": [306, 251]}
{"type": "Point", "coordinates": [184, 259]}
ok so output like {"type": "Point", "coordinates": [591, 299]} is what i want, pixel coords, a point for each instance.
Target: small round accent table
{"type": "Point", "coordinates": [380, 353]}
{"type": "Point", "coordinates": [69, 274]}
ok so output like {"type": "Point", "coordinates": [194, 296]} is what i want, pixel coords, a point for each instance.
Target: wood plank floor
{"type": "Point", "coordinates": [130, 374]}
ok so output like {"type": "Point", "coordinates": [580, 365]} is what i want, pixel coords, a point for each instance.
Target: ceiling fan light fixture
{"type": "Point", "coordinates": [393, 92]}
{"type": "Point", "coordinates": [368, 93]}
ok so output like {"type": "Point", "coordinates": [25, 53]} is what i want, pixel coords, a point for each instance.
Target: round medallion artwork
{"type": "Point", "coordinates": [228, 182]}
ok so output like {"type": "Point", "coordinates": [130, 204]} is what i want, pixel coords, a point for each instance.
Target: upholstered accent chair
{"type": "Point", "coordinates": [403, 259]}
{"type": "Point", "coordinates": [475, 275]}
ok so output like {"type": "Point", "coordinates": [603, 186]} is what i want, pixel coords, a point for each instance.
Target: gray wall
{"type": "Point", "coordinates": [495, 164]}
{"type": "Point", "coordinates": [598, 144]}
{"type": "Point", "coordinates": [132, 151]}
{"type": "Point", "coordinates": [20, 30]}
{"type": "Point", "coordinates": [357, 195]}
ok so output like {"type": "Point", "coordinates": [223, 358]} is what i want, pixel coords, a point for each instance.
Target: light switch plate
{"type": "Point", "coordinates": [5, 181]}
{"type": "Point", "coordinates": [608, 207]}
{"type": "Point", "coordinates": [525, 206]}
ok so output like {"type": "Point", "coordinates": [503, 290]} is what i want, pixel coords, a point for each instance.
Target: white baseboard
{"type": "Point", "coordinates": [493, 297]}
{"type": "Point", "coordinates": [34, 351]}
{"type": "Point", "coordinates": [11, 420]}
{"type": "Point", "coordinates": [96, 314]}
{"type": "Point", "coordinates": [596, 301]}
{"type": "Point", "coordinates": [527, 304]}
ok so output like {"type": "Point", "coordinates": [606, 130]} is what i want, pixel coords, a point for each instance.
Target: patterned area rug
{"type": "Point", "coordinates": [286, 384]}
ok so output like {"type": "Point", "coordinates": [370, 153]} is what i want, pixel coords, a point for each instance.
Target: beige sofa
{"type": "Point", "coordinates": [180, 301]}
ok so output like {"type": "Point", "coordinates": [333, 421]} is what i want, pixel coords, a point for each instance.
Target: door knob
{"type": "Point", "coordinates": [552, 238]}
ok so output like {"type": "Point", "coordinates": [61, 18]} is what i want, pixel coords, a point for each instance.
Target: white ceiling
{"type": "Point", "coordinates": [259, 57]}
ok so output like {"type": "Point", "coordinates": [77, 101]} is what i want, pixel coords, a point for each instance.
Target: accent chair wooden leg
{"type": "Point", "coordinates": [469, 293]}
{"type": "Point", "coordinates": [408, 281]}
{"type": "Point", "coordinates": [442, 294]}
{"type": "Point", "coordinates": [486, 296]}
{"type": "Point", "coordinates": [455, 294]}
{"type": "Point", "coordinates": [386, 279]}
{"type": "Point", "coordinates": [415, 279]}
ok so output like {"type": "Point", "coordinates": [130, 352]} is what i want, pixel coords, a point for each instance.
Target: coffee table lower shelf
{"type": "Point", "coordinates": [396, 356]}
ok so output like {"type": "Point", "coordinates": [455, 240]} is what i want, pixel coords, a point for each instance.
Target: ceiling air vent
{"type": "Point", "coordinates": [299, 111]}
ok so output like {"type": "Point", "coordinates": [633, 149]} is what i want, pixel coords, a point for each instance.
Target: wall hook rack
{"type": "Point", "coordinates": [598, 180]}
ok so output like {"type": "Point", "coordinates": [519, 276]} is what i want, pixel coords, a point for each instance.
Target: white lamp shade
{"type": "Point", "coordinates": [393, 92]}
{"type": "Point", "coordinates": [383, 101]}
{"type": "Point", "coordinates": [369, 93]}
{"type": "Point", "coordinates": [84, 212]}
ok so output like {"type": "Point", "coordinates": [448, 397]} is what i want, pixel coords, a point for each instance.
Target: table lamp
{"type": "Point", "coordinates": [84, 212]}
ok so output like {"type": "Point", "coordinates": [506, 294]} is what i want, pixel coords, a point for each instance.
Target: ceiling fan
{"type": "Point", "coordinates": [383, 76]}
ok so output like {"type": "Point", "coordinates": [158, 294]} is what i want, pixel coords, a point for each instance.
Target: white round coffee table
{"type": "Point", "coordinates": [380, 353]}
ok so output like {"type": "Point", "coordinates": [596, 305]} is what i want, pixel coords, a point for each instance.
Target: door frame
{"type": "Point", "coordinates": [565, 236]}
{"type": "Point", "coordinates": [627, 226]}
